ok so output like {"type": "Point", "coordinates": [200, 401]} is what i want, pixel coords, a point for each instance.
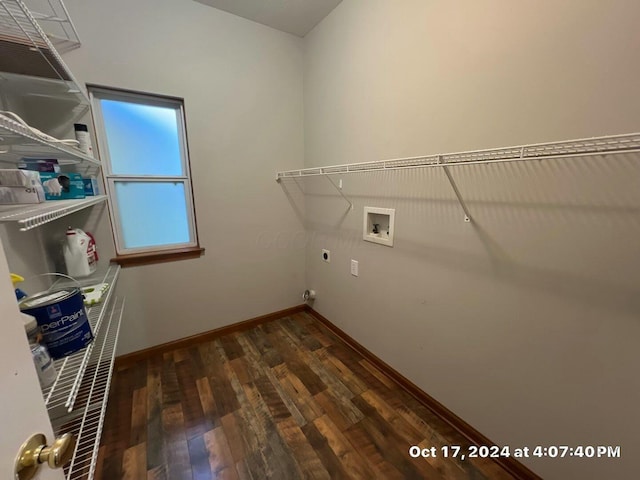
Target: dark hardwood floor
{"type": "Point", "coordinates": [284, 400]}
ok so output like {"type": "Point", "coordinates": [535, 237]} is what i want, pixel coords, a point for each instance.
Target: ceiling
{"type": "Point", "coordinates": [292, 16]}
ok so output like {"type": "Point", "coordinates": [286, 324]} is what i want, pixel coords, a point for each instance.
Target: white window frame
{"type": "Point", "coordinates": [110, 179]}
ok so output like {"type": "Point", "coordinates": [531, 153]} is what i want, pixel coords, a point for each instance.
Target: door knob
{"type": "Point", "coordinates": [35, 452]}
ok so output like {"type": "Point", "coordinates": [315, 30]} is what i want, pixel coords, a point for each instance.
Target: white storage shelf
{"type": "Point", "coordinates": [585, 147]}
{"type": "Point", "coordinates": [64, 92]}
{"type": "Point", "coordinates": [60, 398]}
{"type": "Point", "coordinates": [88, 418]}
{"type": "Point", "coordinates": [34, 77]}
{"type": "Point", "coordinates": [20, 26]}
{"type": "Point", "coordinates": [51, 16]}
{"type": "Point", "coordinates": [18, 142]}
{"type": "Point", "coordinates": [32, 216]}
{"type": "Point", "coordinates": [54, 19]}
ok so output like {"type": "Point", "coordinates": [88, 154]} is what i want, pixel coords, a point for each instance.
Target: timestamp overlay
{"type": "Point", "coordinates": [493, 451]}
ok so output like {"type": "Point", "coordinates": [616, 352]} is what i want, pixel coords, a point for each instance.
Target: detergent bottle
{"type": "Point", "coordinates": [80, 254]}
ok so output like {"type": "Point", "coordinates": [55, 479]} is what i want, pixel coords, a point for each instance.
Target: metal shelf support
{"type": "Point", "coordinates": [467, 215]}
{"type": "Point", "coordinates": [339, 189]}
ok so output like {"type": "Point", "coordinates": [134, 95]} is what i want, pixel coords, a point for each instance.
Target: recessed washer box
{"type": "Point", "coordinates": [378, 225]}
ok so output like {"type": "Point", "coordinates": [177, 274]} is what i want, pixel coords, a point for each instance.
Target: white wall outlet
{"type": "Point", "coordinates": [326, 255]}
{"type": "Point", "coordinates": [354, 268]}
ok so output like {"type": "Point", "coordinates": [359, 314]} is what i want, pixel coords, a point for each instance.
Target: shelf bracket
{"type": "Point", "coordinates": [463, 205]}
{"type": "Point", "coordinates": [339, 190]}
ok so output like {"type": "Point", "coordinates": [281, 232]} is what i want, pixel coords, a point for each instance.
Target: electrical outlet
{"type": "Point", "coordinates": [326, 255]}
{"type": "Point", "coordinates": [354, 268]}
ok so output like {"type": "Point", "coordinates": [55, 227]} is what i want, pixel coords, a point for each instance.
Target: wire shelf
{"type": "Point", "coordinates": [18, 142]}
{"type": "Point", "coordinates": [87, 421]}
{"type": "Point", "coordinates": [21, 32]}
{"type": "Point", "coordinates": [613, 144]}
{"type": "Point", "coordinates": [31, 216]}
{"type": "Point", "coordinates": [61, 397]}
{"type": "Point", "coordinates": [54, 19]}
{"type": "Point", "coordinates": [18, 24]}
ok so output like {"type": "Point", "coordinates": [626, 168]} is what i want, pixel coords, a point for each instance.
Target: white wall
{"type": "Point", "coordinates": [525, 322]}
{"type": "Point", "coordinates": [242, 85]}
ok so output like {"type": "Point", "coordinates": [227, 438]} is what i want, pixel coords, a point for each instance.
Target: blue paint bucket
{"type": "Point", "coordinates": [62, 319]}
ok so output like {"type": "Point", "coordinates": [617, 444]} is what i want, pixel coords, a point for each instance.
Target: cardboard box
{"type": "Point", "coordinates": [90, 186]}
{"type": "Point", "coordinates": [39, 165]}
{"type": "Point", "coordinates": [62, 186]}
{"type": "Point", "coordinates": [12, 177]}
{"type": "Point", "coordinates": [15, 195]}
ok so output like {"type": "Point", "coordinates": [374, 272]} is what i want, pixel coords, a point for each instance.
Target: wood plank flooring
{"type": "Point", "coordinates": [284, 400]}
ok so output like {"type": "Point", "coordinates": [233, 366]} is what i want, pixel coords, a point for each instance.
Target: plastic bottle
{"type": "Point", "coordinates": [80, 255]}
{"type": "Point", "coordinates": [44, 364]}
{"type": "Point", "coordinates": [20, 294]}
{"type": "Point", "coordinates": [83, 138]}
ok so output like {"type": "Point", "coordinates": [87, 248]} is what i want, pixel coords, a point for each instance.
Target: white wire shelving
{"type": "Point", "coordinates": [37, 20]}
{"type": "Point", "coordinates": [29, 217]}
{"type": "Point", "coordinates": [585, 147]}
{"type": "Point", "coordinates": [21, 33]}
{"type": "Point", "coordinates": [61, 397]}
{"type": "Point", "coordinates": [54, 19]}
{"type": "Point", "coordinates": [18, 25]}
{"type": "Point", "coordinates": [32, 73]}
{"type": "Point", "coordinates": [18, 142]}
{"type": "Point", "coordinates": [87, 420]}
{"type": "Point", "coordinates": [606, 145]}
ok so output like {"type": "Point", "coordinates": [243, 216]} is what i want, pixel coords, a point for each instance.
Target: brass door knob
{"type": "Point", "coordinates": [35, 452]}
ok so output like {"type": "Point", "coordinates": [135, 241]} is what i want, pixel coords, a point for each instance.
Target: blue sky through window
{"type": "Point", "coordinates": [142, 139]}
{"type": "Point", "coordinates": [152, 213]}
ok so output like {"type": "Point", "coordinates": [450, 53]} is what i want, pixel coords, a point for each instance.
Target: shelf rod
{"type": "Point", "coordinates": [595, 146]}
{"type": "Point", "coordinates": [297, 173]}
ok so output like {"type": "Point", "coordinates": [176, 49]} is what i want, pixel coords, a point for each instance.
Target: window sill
{"type": "Point", "coordinates": [138, 259]}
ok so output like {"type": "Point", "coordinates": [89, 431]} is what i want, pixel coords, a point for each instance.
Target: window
{"type": "Point", "coordinates": [143, 146]}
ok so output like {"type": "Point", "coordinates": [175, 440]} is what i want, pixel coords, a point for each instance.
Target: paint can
{"type": "Point", "coordinates": [62, 319]}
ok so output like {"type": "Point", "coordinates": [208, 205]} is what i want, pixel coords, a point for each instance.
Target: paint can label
{"type": "Point", "coordinates": [64, 324]}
